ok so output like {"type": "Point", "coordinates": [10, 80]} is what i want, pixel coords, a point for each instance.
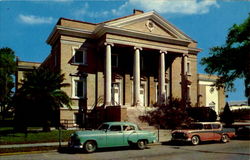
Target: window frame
{"type": "Point", "coordinates": [74, 89]}
{"type": "Point", "coordinates": [84, 56]}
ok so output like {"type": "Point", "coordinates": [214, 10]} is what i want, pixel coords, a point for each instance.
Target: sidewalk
{"type": "Point", "coordinates": [164, 136]}
{"type": "Point", "coordinates": [49, 144]}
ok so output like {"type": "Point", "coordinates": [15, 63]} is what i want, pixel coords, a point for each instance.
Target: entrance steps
{"type": "Point", "coordinates": [134, 113]}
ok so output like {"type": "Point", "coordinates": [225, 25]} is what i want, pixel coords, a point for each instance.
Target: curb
{"type": "Point", "coordinates": [20, 153]}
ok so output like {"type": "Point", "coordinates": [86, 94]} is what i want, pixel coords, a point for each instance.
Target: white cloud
{"type": "Point", "coordinates": [85, 11]}
{"type": "Point", "coordinates": [31, 19]}
{"type": "Point", "coordinates": [184, 7]}
{"type": "Point", "coordinates": [168, 6]}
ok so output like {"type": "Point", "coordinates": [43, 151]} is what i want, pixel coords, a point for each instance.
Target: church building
{"type": "Point", "coordinates": [132, 62]}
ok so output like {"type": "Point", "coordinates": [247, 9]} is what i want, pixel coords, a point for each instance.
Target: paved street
{"type": "Point", "coordinates": [236, 149]}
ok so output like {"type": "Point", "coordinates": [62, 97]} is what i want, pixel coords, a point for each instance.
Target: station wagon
{"type": "Point", "coordinates": [203, 131]}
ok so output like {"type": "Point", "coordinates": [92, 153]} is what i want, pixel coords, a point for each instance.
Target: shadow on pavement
{"type": "Point", "coordinates": [67, 150]}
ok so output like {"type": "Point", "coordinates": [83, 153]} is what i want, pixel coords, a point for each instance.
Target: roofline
{"type": "Point", "coordinates": [62, 18]}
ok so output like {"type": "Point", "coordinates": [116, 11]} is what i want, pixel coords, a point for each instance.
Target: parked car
{"type": "Point", "coordinates": [243, 132]}
{"type": "Point", "coordinates": [112, 134]}
{"type": "Point", "coordinates": [203, 131]}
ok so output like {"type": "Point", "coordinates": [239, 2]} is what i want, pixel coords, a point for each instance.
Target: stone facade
{"type": "Point", "coordinates": [132, 62]}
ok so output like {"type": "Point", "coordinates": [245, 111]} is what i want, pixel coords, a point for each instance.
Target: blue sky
{"type": "Point", "coordinates": [25, 25]}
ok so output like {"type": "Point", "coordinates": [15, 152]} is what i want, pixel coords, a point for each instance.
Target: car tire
{"type": "Point", "coordinates": [90, 146]}
{"type": "Point", "coordinates": [195, 140]}
{"type": "Point", "coordinates": [224, 138]}
{"type": "Point", "coordinates": [141, 144]}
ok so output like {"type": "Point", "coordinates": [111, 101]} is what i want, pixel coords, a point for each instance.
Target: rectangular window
{"type": "Point", "coordinates": [114, 60]}
{"type": "Point", "coordinates": [55, 60]}
{"type": "Point", "coordinates": [79, 56]}
{"type": "Point", "coordinates": [79, 90]}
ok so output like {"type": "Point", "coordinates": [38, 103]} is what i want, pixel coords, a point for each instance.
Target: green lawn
{"type": "Point", "coordinates": [8, 136]}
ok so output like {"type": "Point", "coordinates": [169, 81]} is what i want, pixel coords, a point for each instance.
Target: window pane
{"type": "Point", "coordinates": [79, 88]}
{"type": "Point", "coordinates": [115, 128]}
{"type": "Point", "coordinates": [114, 60]}
{"type": "Point", "coordinates": [78, 56]}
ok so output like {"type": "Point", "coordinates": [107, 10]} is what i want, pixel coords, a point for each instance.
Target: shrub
{"type": "Point", "coordinates": [169, 116]}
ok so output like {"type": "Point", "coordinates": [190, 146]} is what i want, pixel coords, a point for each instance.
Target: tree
{"type": "Point", "coordinates": [171, 116]}
{"type": "Point", "coordinates": [227, 116]}
{"type": "Point", "coordinates": [7, 70]}
{"type": "Point", "coordinates": [232, 60]}
{"type": "Point", "coordinates": [202, 114]}
{"type": "Point", "coordinates": [40, 98]}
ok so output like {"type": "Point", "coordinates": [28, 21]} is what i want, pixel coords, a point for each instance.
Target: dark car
{"type": "Point", "coordinates": [243, 132]}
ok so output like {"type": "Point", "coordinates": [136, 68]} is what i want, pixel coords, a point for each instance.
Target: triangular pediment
{"type": "Point", "coordinates": [149, 26]}
{"type": "Point", "coordinates": [149, 23]}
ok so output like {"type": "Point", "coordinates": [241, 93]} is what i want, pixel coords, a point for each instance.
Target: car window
{"type": "Point", "coordinates": [195, 126]}
{"type": "Point", "coordinates": [215, 126]}
{"type": "Point", "coordinates": [115, 128]}
{"type": "Point", "coordinates": [207, 126]}
{"type": "Point", "coordinates": [128, 128]}
{"type": "Point", "coordinates": [103, 127]}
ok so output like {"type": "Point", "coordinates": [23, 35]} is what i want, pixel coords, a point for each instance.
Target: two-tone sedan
{"type": "Point", "coordinates": [203, 131]}
{"type": "Point", "coordinates": [112, 134]}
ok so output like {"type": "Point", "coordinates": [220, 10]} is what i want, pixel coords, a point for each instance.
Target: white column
{"type": "Point", "coordinates": [184, 78]}
{"type": "Point", "coordinates": [108, 74]}
{"type": "Point", "coordinates": [162, 90]}
{"type": "Point", "coordinates": [136, 72]}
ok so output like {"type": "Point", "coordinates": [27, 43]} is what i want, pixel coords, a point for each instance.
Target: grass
{"type": "Point", "coordinates": [8, 136]}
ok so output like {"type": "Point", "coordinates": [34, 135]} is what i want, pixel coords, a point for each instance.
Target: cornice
{"type": "Point", "coordinates": [137, 34]}
{"type": "Point", "coordinates": [62, 30]}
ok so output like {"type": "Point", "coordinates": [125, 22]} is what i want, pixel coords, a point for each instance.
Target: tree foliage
{"type": "Point", "coordinates": [232, 60]}
{"type": "Point", "coordinates": [202, 114]}
{"type": "Point", "coordinates": [241, 114]}
{"type": "Point", "coordinates": [170, 116]}
{"type": "Point", "coordinates": [227, 116]}
{"type": "Point", "coordinates": [40, 98]}
{"type": "Point", "coordinates": [7, 70]}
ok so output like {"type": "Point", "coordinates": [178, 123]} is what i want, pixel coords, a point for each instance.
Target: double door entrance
{"type": "Point", "coordinates": [117, 94]}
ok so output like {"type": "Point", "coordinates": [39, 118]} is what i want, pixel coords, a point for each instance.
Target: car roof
{"type": "Point", "coordinates": [119, 123]}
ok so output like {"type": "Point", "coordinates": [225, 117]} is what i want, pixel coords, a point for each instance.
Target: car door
{"type": "Point", "coordinates": [114, 136]}
{"type": "Point", "coordinates": [217, 131]}
{"type": "Point", "coordinates": [208, 132]}
{"type": "Point", "coordinates": [128, 131]}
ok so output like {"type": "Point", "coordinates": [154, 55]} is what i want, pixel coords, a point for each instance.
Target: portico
{"type": "Point", "coordinates": [140, 83]}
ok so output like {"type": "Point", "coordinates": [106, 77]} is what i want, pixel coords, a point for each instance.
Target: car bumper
{"type": "Point", "coordinates": [75, 146]}
{"type": "Point", "coordinates": [181, 139]}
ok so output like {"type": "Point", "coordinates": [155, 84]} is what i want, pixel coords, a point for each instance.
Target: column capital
{"type": "Point", "coordinates": [163, 51]}
{"type": "Point", "coordinates": [108, 43]}
{"type": "Point", "coordinates": [136, 47]}
{"type": "Point", "coordinates": [185, 54]}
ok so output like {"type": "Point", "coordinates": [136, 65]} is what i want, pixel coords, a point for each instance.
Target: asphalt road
{"type": "Point", "coordinates": [234, 150]}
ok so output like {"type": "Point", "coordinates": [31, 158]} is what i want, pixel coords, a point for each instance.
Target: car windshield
{"type": "Point", "coordinates": [195, 126]}
{"type": "Point", "coordinates": [103, 127]}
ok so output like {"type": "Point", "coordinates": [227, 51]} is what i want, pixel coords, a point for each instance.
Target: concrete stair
{"type": "Point", "coordinates": [134, 113]}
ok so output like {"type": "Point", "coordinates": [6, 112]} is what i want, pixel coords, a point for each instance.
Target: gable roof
{"type": "Point", "coordinates": [152, 15]}
{"type": "Point", "coordinates": [120, 26]}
